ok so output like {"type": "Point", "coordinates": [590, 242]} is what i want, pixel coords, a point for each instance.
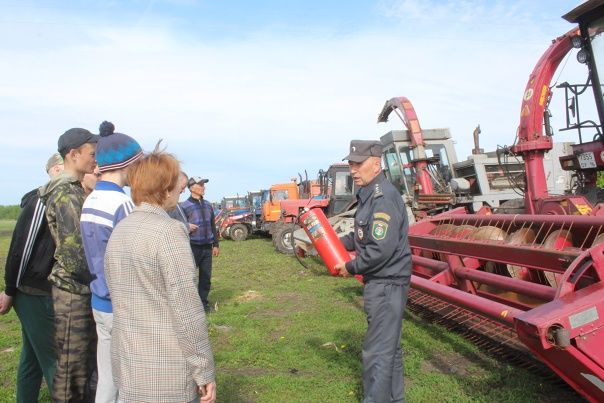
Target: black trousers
{"type": "Point", "coordinates": [382, 355]}
{"type": "Point", "coordinates": [203, 260]}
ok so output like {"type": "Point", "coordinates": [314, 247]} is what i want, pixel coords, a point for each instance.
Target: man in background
{"type": "Point", "coordinates": [75, 335]}
{"type": "Point", "coordinates": [29, 261]}
{"type": "Point", "coordinates": [107, 205]}
{"type": "Point", "coordinates": [204, 239]}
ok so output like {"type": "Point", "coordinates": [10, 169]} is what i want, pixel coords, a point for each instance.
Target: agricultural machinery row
{"type": "Point", "coordinates": [509, 243]}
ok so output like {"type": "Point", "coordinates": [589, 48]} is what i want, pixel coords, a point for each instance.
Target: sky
{"type": "Point", "coordinates": [251, 93]}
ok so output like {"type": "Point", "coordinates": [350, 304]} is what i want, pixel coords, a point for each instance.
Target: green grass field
{"type": "Point", "coordinates": [283, 333]}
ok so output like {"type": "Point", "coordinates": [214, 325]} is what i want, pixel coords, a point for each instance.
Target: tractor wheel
{"type": "Point", "coordinates": [238, 232]}
{"type": "Point", "coordinates": [284, 240]}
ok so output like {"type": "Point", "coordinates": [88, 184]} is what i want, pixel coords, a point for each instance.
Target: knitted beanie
{"type": "Point", "coordinates": [115, 150]}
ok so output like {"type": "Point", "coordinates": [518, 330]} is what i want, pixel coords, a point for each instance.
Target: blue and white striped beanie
{"type": "Point", "coordinates": [115, 150]}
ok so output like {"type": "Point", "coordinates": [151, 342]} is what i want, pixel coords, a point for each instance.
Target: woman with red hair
{"type": "Point", "coordinates": [160, 345]}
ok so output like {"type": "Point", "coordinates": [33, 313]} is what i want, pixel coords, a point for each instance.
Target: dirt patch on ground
{"type": "Point", "coordinates": [289, 297]}
{"type": "Point", "coordinates": [449, 363]}
{"type": "Point", "coordinates": [249, 295]}
{"type": "Point", "coordinates": [288, 303]}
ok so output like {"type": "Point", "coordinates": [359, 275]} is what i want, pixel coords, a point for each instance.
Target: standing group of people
{"type": "Point", "coordinates": [111, 320]}
{"type": "Point", "coordinates": [130, 269]}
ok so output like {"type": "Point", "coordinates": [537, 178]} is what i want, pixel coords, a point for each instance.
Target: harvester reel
{"type": "Point", "coordinates": [557, 240]}
{"type": "Point", "coordinates": [524, 236]}
{"type": "Point", "coordinates": [490, 233]}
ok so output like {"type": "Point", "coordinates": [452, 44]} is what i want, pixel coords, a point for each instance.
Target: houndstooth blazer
{"type": "Point", "coordinates": [160, 350]}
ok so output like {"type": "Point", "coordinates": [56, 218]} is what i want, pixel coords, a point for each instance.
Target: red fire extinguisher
{"type": "Point", "coordinates": [325, 240]}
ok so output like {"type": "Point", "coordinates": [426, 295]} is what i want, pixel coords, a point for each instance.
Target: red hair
{"type": "Point", "coordinates": [152, 176]}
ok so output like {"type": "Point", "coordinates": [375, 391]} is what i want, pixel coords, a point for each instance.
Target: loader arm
{"type": "Point", "coordinates": [405, 111]}
{"type": "Point", "coordinates": [533, 143]}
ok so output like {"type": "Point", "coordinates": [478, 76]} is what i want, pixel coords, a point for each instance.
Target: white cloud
{"type": "Point", "coordinates": [255, 111]}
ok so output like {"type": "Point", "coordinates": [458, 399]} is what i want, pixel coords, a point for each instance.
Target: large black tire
{"type": "Point", "coordinates": [284, 240]}
{"type": "Point", "coordinates": [238, 232]}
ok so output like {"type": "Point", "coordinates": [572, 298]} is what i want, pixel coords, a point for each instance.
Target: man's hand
{"type": "Point", "coordinates": [208, 393]}
{"type": "Point", "coordinates": [6, 303]}
{"type": "Point", "coordinates": [215, 251]}
{"type": "Point", "coordinates": [341, 268]}
{"type": "Point", "coordinates": [192, 228]}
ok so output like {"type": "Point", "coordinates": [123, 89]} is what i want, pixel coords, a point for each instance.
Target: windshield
{"type": "Point", "coordinates": [280, 195]}
{"type": "Point", "coordinates": [343, 182]}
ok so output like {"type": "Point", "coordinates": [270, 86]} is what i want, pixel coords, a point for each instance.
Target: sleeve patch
{"type": "Point", "coordinates": [382, 216]}
{"type": "Point", "coordinates": [379, 230]}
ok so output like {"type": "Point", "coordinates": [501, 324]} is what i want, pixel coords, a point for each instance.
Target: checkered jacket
{"type": "Point", "coordinates": [160, 348]}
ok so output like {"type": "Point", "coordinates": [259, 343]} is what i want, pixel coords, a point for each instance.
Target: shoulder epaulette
{"type": "Point", "coordinates": [377, 191]}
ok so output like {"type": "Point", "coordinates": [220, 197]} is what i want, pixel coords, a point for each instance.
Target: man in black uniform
{"type": "Point", "coordinates": [383, 258]}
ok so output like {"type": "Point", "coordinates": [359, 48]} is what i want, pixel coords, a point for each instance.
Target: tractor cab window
{"type": "Point", "coordinates": [280, 195]}
{"type": "Point", "coordinates": [441, 162]}
{"type": "Point", "coordinates": [342, 184]}
{"type": "Point", "coordinates": [394, 170]}
{"type": "Point", "coordinates": [406, 156]}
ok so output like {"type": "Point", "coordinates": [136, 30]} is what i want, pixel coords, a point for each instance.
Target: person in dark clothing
{"type": "Point", "coordinates": [29, 261]}
{"type": "Point", "coordinates": [383, 258]}
{"type": "Point", "coordinates": [204, 239]}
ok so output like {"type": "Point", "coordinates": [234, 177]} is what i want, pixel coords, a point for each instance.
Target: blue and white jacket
{"type": "Point", "coordinates": [103, 209]}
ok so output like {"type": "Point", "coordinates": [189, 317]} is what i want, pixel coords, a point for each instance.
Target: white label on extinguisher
{"type": "Point", "coordinates": [587, 160]}
{"type": "Point", "coordinates": [314, 226]}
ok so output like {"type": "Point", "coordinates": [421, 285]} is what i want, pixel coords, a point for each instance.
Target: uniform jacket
{"type": "Point", "coordinates": [201, 213]}
{"type": "Point", "coordinates": [103, 209]}
{"type": "Point", "coordinates": [31, 253]}
{"type": "Point", "coordinates": [64, 197]}
{"type": "Point", "coordinates": [160, 348]}
{"type": "Point", "coordinates": [380, 234]}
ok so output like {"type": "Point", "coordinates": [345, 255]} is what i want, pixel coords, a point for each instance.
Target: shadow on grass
{"type": "Point", "coordinates": [474, 370]}
{"type": "Point", "coordinates": [235, 389]}
{"type": "Point", "coordinates": [345, 360]}
{"type": "Point", "coordinates": [353, 294]}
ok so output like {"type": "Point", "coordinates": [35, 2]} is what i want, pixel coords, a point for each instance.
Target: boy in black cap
{"type": "Point", "coordinates": [75, 337]}
{"type": "Point", "coordinates": [383, 258]}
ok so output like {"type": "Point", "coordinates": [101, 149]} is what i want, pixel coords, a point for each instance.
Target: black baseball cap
{"type": "Point", "coordinates": [197, 179]}
{"type": "Point", "coordinates": [74, 138]}
{"type": "Point", "coordinates": [360, 150]}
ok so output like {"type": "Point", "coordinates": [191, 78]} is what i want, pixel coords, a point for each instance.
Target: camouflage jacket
{"type": "Point", "coordinates": [64, 197]}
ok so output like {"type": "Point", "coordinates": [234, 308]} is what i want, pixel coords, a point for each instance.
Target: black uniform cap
{"type": "Point", "coordinates": [360, 150]}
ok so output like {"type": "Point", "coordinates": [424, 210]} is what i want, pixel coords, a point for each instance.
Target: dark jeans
{"type": "Point", "coordinates": [382, 355]}
{"type": "Point", "coordinates": [203, 260]}
{"type": "Point", "coordinates": [38, 356]}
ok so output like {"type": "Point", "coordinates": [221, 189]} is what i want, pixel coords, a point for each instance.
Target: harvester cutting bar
{"type": "Point", "coordinates": [493, 310]}
{"type": "Point", "coordinates": [535, 290]}
{"type": "Point", "coordinates": [581, 222]}
{"type": "Point", "coordinates": [527, 256]}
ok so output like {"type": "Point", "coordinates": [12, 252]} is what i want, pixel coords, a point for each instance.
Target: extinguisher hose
{"type": "Point", "coordinates": [295, 221]}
